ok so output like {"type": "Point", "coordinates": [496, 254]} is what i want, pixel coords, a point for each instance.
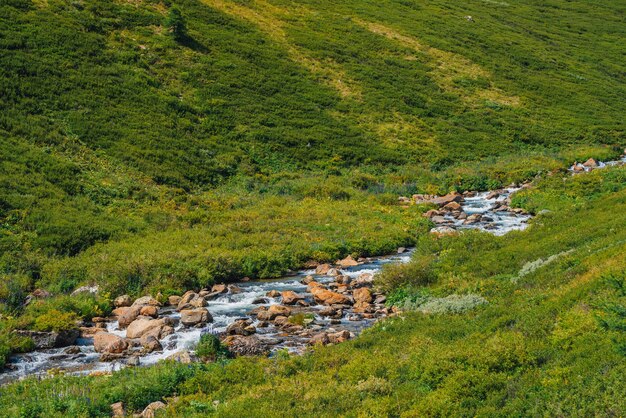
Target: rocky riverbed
{"type": "Point", "coordinates": [326, 304]}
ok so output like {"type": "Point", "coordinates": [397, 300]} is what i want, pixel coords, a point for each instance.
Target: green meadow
{"type": "Point", "coordinates": [159, 146]}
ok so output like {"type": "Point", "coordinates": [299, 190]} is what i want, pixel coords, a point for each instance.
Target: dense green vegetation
{"type": "Point", "coordinates": [158, 146]}
{"type": "Point", "coordinates": [548, 340]}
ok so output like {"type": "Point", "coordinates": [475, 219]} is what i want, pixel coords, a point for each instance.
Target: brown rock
{"type": "Point", "coordinates": [290, 297]}
{"type": "Point", "coordinates": [492, 195]}
{"type": "Point", "coordinates": [590, 163]}
{"type": "Point", "coordinates": [129, 315]}
{"type": "Point", "coordinates": [311, 264]}
{"type": "Point", "coordinates": [149, 310]}
{"type": "Point", "coordinates": [362, 294]}
{"type": "Point", "coordinates": [234, 289]}
{"type": "Point", "coordinates": [343, 279]}
{"type": "Point", "coordinates": [151, 409]}
{"type": "Point", "coordinates": [150, 344]}
{"type": "Point", "coordinates": [443, 231]}
{"type": "Point", "coordinates": [339, 337]}
{"type": "Point", "coordinates": [174, 300]}
{"type": "Point", "coordinates": [280, 320]}
{"type": "Point", "coordinates": [347, 262]}
{"type": "Point", "coordinates": [193, 317]}
{"type": "Point", "coordinates": [276, 310]}
{"type": "Point", "coordinates": [364, 280]}
{"type": "Point", "coordinates": [319, 339]}
{"type": "Point", "coordinates": [250, 345]}
{"type": "Point", "coordinates": [313, 285]}
{"type": "Point", "coordinates": [40, 294]}
{"type": "Point", "coordinates": [88, 332]}
{"type": "Point", "coordinates": [117, 409]}
{"type": "Point", "coordinates": [219, 288]}
{"type": "Point", "coordinates": [323, 269]}
{"type": "Point", "coordinates": [105, 342]}
{"type": "Point", "coordinates": [191, 300]}
{"type": "Point", "coordinates": [120, 311]}
{"type": "Point", "coordinates": [327, 297]}
{"type": "Point", "coordinates": [273, 294]}
{"type": "Point", "coordinates": [452, 207]}
{"type": "Point", "coordinates": [449, 198]}
{"type": "Point", "coordinates": [241, 327]}
{"type": "Point", "coordinates": [307, 280]}
{"type": "Point", "coordinates": [328, 311]}
{"type": "Point", "coordinates": [187, 297]}
{"type": "Point", "coordinates": [122, 301]}
{"type": "Point", "coordinates": [431, 213]}
{"type": "Point", "coordinates": [146, 300]}
{"type": "Point", "coordinates": [472, 219]}
{"type": "Point", "coordinates": [107, 357]}
{"type": "Point", "coordinates": [142, 326]}
{"type": "Point", "coordinates": [183, 357]}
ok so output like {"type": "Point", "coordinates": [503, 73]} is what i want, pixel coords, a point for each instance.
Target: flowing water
{"type": "Point", "coordinates": [498, 222]}
{"type": "Point", "coordinates": [229, 307]}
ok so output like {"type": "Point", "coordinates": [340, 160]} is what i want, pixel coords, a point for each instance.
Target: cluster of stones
{"type": "Point", "coordinates": [326, 313]}
{"type": "Point", "coordinates": [146, 326]}
{"type": "Point", "coordinates": [450, 209]}
{"type": "Point", "coordinates": [592, 164]}
{"type": "Point", "coordinates": [295, 316]}
{"type": "Point", "coordinates": [588, 165]}
{"type": "Point", "coordinates": [291, 319]}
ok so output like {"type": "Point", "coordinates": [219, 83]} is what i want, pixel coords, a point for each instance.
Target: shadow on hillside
{"type": "Point", "coordinates": [191, 43]}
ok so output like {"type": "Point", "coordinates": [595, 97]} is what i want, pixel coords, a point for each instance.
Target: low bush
{"type": "Point", "coordinates": [209, 348]}
{"type": "Point", "coordinates": [54, 320]}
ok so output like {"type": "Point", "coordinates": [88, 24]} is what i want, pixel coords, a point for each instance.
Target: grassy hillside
{"type": "Point", "coordinates": [259, 135]}
{"type": "Point", "coordinates": [550, 339]}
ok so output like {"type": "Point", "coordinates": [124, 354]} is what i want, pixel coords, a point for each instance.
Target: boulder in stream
{"type": "Point", "coordinates": [241, 345]}
{"type": "Point", "coordinates": [290, 297]}
{"type": "Point", "coordinates": [449, 198]}
{"type": "Point", "coordinates": [128, 315]}
{"type": "Point", "coordinates": [143, 325]}
{"type": "Point", "coordinates": [146, 300]}
{"type": "Point", "coordinates": [105, 342]}
{"type": "Point", "coordinates": [327, 297]}
{"type": "Point", "coordinates": [347, 262]}
{"type": "Point", "coordinates": [194, 317]}
{"type": "Point", "coordinates": [45, 340]}
{"type": "Point", "coordinates": [362, 294]}
{"type": "Point", "coordinates": [322, 269]}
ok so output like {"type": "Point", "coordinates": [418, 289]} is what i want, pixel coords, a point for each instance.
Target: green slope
{"type": "Point", "coordinates": [550, 341]}
{"type": "Point", "coordinates": [274, 132]}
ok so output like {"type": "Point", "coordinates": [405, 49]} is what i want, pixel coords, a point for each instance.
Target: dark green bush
{"type": "Point", "coordinates": [209, 348]}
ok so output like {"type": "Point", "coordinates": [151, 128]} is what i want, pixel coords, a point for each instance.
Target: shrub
{"type": "Point", "coordinates": [175, 22]}
{"type": "Point", "coordinates": [301, 319]}
{"type": "Point", "coordinates": [55, 320]}
{"type": "Point", "coordinates": [210, 348]}
{"type": "Point", "coordinates": [455, 304]}
{"type": "Point", "coordinates": [418, 272]}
